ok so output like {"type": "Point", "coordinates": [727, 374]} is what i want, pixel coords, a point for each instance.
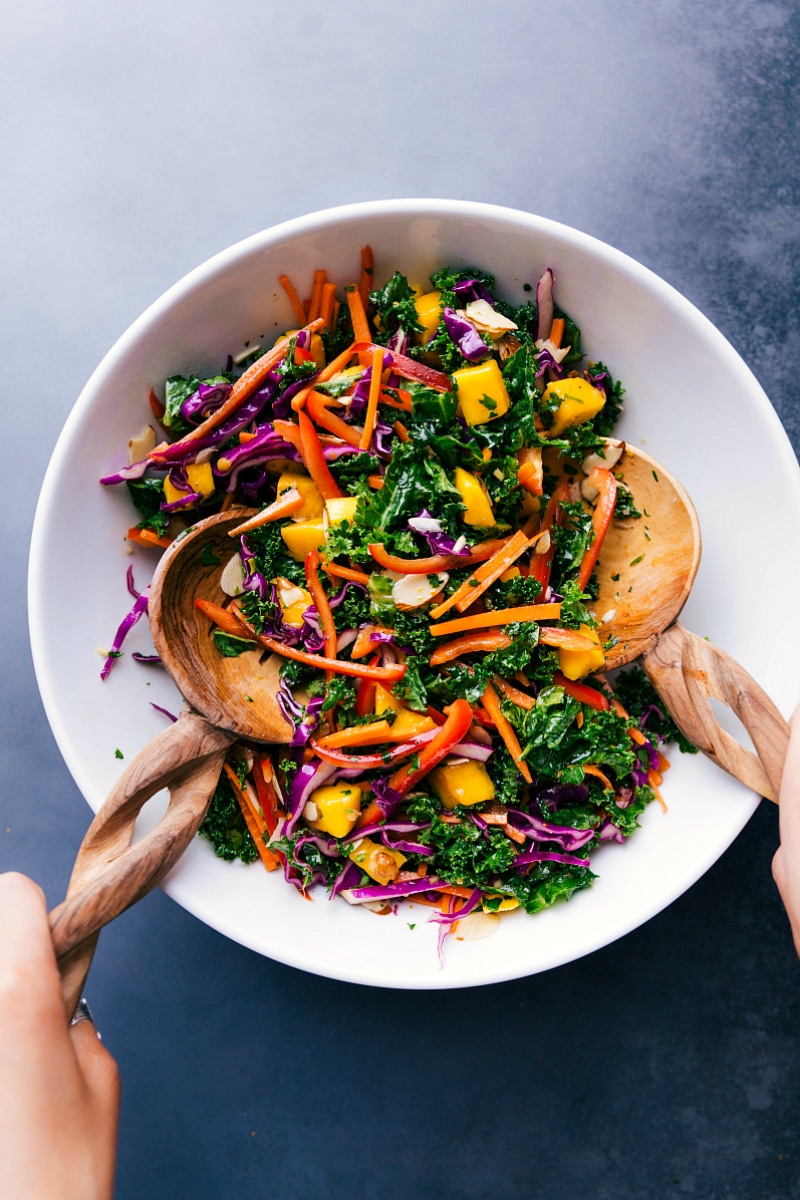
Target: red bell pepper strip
{"type": "Point", "coordinates": [365, 695]}
{"type": "Point", "coordinates": [582, 692]}
{"type": "Point", "coordinates": [439, 562]}
{"type": "Point", "coordinates": [606, 484]}
{"type": "Point", "coordinates": [314, 459]}
{"type": "Point", "coordinates": [267, 796]}
{"type": "Point", "coordinates": [410, 369]}
{"type": "Point", "coordinates": [541, 564]}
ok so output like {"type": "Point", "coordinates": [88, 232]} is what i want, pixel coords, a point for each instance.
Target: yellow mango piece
{"type": "Point", "coordinates": [339, 807]}
{"type": "Point", "coordinates": [428, 313]}
{"type": "Point", "coordinates": [408, 724]}
{"type": "Point", "coordinates": [462, 783]}
{"type": "Point", "coordinates": [200, 478]}
{"type": "Point", "coordinates": [302, 537]}
{"type": "Point", "coordinates": [579, 401]}
{"type": "Point", "coordinates": [312, 500]}
{"type": "Point", "coordinates": [511, 573]}
{"type": "Point", "coordinates": [293, 600]}
{"type": "Point", "coordinates": [577, 663]}
{"type": "Point", "coordinates": [507, 903]}
{"type": "Point", "coordinates": [476, 382]}
{"type": "Point", "coordinates": [341, 508]}
{"type": "Point", "coordinates": [381, 863]}
{"type": "Point", "coordinates": [473, 493]}
{"type": "Point", "coordinates": [385, 701]}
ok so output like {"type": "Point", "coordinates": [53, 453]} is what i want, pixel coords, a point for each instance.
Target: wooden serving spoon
{"type": "Point", "coordinates": [645, 571]}
{"type": "Point", "coordinates": [226, 699]}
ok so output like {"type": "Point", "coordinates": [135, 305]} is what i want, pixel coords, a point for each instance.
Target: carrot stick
{"type": "Point", "coordinates": [361, 330]}
{"type": "Point", "coordinates": [491, 703]}
{"type": "Point", "coordinates": [504, 616]}
{"type": "Point", "coordinates": [487, 574]}
{"type": "Point", "coordinates": [316, 295]}
{"type": "Point", "coordinates": [317, 409]}
{"type": "Point", "coordinates": [287, 503]}
{"type": "Point", "coordinates": [521, 699]}
{"type": "Point", "coordinates": [227, 621]}
{"type": "Point", "coordinates": [367, 274]}
{"type": "Point", "coordinates": [337, 572]}
{"type": "Point", "coordinates": [244, 387]}
{"type": "Point", "coordinates": [156, 407]}
{"type": "Point", "coordinates": [403, 402]}
{"type": "Point", "coordinates": [469, 644]}
{"type": "Point", "coordinates": [654, 780]}
{"type": "Point", "coordinates": [375, 481]}
{"type": "Point", "coordinates": [314, 459]}
{"type": "Point", "coordinates": [557, 331]}
{"type": "Point", "coordinates": [294, 299]}
{"type": "Point", "coordinates": [565, 639]}
{"type": "Point", "coordinates": [401, 431]}
{"type": "Point", "coordinates": [357, 735]}
{"type": "Point", "coordinates": [328, 372]}
{"type": "Point", "coordinates": [320, 599]}
{"type": "Point", "coordinates": [372, 402]}
{"type": "Point", "coordinates": [437, 562]}
{"type": "Point", "coordinates": [148, 537]}
{"type": "Point", "coordinates": [252, 819]}
{"type": "Point", "coordinates": [591, 769]}
{"type": "Point", "coordinates": [326, 306]}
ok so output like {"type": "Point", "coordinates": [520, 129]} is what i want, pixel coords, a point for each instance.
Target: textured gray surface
{"type": "Point", "coordinates": [138, 140]}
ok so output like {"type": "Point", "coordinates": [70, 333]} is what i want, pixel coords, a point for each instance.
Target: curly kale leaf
{"type": "Point", "coordinates": [395, 306]}
{"type": "Point", "coordinates": [552, 740]}
{"type": "Point", "coordinates": [225, 827]}
{"type": "Point", "coordinates": [413, 478]}
{"type": "Point", "coordinates": [147, 496]}
{"type": "Point", "coordinates": [642, 701]}
{"type": "Point", "coordinates": [271, 556]}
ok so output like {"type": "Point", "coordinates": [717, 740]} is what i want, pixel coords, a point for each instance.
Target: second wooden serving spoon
{"type": "Point", "coordinates": [645, 572]}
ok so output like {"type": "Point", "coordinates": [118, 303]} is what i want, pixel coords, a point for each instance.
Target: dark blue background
{"type": "Point", "coordinates": [136, 142]}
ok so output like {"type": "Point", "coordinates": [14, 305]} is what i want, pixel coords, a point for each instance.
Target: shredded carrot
{"type": "Point", "coordinates": [316, 295]}
{"type": "Point", "coordinates": [148, 537]}
{"type": "Point", "coordinates": [557, 331]}
{"type": "Point", "coordinates": [317, 409]}
{"type": "Point", "coordinates": [156, 407]}
{"type": "Point", "coordinates": [245, 437]}
{"type": "Point", "coordinates": [227, 503]}
{"type": "Point", "coordinates": [288, 502]}
{"type": "Point", "coordinates": [227, 621]}
{"type": "Point", "coordinates": [365, 283]}
{"type": "Point", "coordinates": [663, 763]}
{"type": "Point", "coordinates": [504, 616]}
{"type": "Point", "coordinates": [565, 639]}
{"type": "Point", "coordinates": [469, 644]}
{"type": "Point", "coordinates": [637, 736]}
{"type": "Point", "coordinates": [364, 644]}
{"type": "Point", "coordinates": [337, 572]}
{"type": "Point", "coordinates": [357, 735]}
{"type": "Point", "coordinates": [335, 316]}
{"type": "Point", "coordinates": [318, 595]}
{"type": "Point", "coordinates": [327, 372]}
{"type": "Point", "coordinates": [326, 307]}
{"type": "Point", "coordinates": [294, 299]}
{"type": "Point", "coordinates": [485, 575]}
{"type": "Point", "coordinates": [253, 819]}
{"type": "Point", "coordinates": [372, 402]}
{"type": "Point", "coordinates": [401, 431]}
{"type": "Point", "coordinates": [491, 703]}
{"type": "Point", "coordinates": [521, 699]}
{"type": "Point", "coordinates": [402, 402]}
{"type": "Point", "coordinates": [454, 890]}
{"type": "Point", "coordinates": [591, 769]}
{"type": "Point", "coordinates": [654, 779]}
{"type": "Point", "coordinates": [437, 562]}
{"type": "Point", "coordinates": [358, 316]}
{"type": "Point", "coordinates": [376, 482]}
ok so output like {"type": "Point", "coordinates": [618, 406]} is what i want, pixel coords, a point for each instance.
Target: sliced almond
{"type": "Point", "coordinates": [488, 320]}
{"type": "Point", "coordinates": [141, 444]}
{"type": "Point", "coordinates": [232, 578]}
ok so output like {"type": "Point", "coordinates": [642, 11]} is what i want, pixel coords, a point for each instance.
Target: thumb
{"type": "Point", "coordinates": [98, 1068]}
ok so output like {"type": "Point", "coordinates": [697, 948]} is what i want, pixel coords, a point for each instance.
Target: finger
{"type": "Point", "coordinates": [29, 981]}
{"type": "Point", "coordinates": [790, 791]}
{"type": "Point", "coordinates": [99, 1069]}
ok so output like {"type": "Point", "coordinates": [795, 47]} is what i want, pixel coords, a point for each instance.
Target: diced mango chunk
{"type": "Point", "coordinates": [428, 313]}
{"type": "Point", "coordinates": [341, 508]}
{"type": "Point", "coordinates": [385, 701]}
{"type": "Point", "coordinates": [312, 500]}
{"type": "Point", "coordinates": [408, 724]}
{"type": "Point", "coordinates": [200, 478]}
{"type": "Point", "coordinates": [462, 783]}
{"type": "Point", "coordinates": [302, 537]}
{"type": "Point", "coordinates": [339, 807]}
{"type": "Point", "coordinates": [579, 401]}
{"type": "Point", "coordinates": [473, 493]}
{"type": "Point", "coordinates": [477, 385]}
{"type": "Point", "coordinates": [577, 663]}
{"type": "Point", "coordinates": [379, 861]}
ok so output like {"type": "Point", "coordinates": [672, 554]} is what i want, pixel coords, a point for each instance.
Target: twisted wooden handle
{"type": "Point", "coordinates": [110, 874]}
{"type": "Point", "coordinates": [687, 671]}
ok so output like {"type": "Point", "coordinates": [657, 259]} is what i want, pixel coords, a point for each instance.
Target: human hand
{"type": "Point", "coordinates": [786, 863]}
{"type": "Point", "coordinates": [59, 1086]}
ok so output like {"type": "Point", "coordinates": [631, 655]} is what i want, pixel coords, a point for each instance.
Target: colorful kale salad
{"type": "Point", "coordinates": [430, 477]}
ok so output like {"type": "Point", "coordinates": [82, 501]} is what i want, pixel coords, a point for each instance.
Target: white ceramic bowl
{"type": "Point", "coordinates": [690, 400]}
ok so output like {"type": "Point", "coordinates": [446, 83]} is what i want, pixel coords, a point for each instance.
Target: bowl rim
{"type": "Point", "coordinates": [196, 279]}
